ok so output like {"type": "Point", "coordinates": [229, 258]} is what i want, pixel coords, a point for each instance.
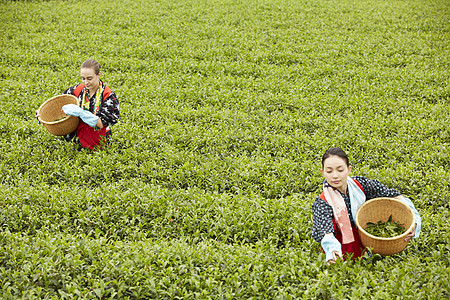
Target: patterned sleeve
{"type": "Point", "coordinates": [375, 189]}
{"type": "Point", "coordinates": [322, 219]}
{"type": "Point", "coordinates": [109, 110]}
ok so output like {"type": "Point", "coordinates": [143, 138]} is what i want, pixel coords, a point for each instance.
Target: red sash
{"type": "Point", "coordinates": [88, 136]}
{"type": "Point", "coordinates": [355, 248]}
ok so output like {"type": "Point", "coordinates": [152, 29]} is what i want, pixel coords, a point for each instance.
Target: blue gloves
{"type": "Point", "coordinates": [72, 109]}
{"type": "Point", "coordinates": [76, 111]}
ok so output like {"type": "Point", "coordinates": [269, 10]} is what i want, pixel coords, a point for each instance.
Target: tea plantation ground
{"type": "Point", "coordinates": [227, 107]}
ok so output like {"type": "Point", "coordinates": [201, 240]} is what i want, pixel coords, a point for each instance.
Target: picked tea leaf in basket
{"type": "Point", "coordinates": [385, 229]}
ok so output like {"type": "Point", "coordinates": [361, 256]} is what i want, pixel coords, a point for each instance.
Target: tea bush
{"type": "Point", "coordinates": [226, 109]}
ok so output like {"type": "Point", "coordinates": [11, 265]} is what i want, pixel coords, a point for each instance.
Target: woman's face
{"type": "Point", "coordinates": [336, 171]}
{"type": "Point", "coordinates": [89, 78]}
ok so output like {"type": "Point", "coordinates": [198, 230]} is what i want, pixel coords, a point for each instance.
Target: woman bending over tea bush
{"type": "Point", "coordinates": [337, 204]}
{"type": "Point", "coordinates": [98, 107]}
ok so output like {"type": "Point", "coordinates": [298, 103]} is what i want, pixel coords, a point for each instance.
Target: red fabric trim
{"type": "Point", "coordinates": [322, 196]}
{"type": "Point", "coordinates": [80, 87]}
{"type": "Point", "coordinates": [359, 184]}
{"type": "Point", "coordinates": [78, 90]}
{"type": "Point", "coordinates": [106, 92]}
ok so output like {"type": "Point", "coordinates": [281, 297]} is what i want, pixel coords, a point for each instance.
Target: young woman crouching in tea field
{"type": "Point", "coordinates": [337, 204]}
{"type": "Point", "coordinates": [98, 107]}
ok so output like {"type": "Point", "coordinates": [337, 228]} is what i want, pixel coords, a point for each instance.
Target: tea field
{"type": "Point", "coordinates": [226, 109]}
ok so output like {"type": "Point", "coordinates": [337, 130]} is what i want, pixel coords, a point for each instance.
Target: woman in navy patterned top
{"type": "Point", "coordinates": [333, 211]}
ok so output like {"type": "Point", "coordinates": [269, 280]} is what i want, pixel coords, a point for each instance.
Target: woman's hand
{"type": "Point", "coordinates": [411, 234]}
{"type": "Point", "coordinates": [37, 115]}
{"type": "Point", "coordinates": [336, 255]}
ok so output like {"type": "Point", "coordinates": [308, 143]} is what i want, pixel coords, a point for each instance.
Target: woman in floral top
{"type": "Point", "coordinates": [98, 107]}
{"type": "Point", "coordinates": [335, 208]}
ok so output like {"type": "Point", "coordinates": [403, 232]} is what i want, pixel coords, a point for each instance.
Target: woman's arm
{"type": "Point", "coordinates": [415, 232]}
{"type": "Point", "coordinates": [374, 189]}
{"type": "Point", "coordinates": [322, 219]}
{"type": "Point", "coordinates": [323, 230]}
{"type": "Point", "coordinates": [109, 111]}
{"type": "Point", "coordinates": [331, 247]}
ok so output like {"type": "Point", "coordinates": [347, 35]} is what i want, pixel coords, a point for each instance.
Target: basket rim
{"type": "Point", "coordinates": [56, 122]}
{"type": "Point", "coordinates": [384, 238]}
{"type": "Point", "coordinates": [48, 100]}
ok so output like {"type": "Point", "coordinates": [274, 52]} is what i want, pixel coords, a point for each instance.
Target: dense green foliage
{"type": "Point", "coordinates": [227, 107]}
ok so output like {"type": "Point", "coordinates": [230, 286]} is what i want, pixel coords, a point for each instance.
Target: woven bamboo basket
{"type": "Point", "coordinates": [54, 119]}
{"type": "Point", "coordinates": [380, 209]}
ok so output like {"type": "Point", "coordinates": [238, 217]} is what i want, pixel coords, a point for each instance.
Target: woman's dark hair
{"type": "Point", "coordinates": [335, 151]}
{"type": "Point", "coordinates": [91, 64]}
